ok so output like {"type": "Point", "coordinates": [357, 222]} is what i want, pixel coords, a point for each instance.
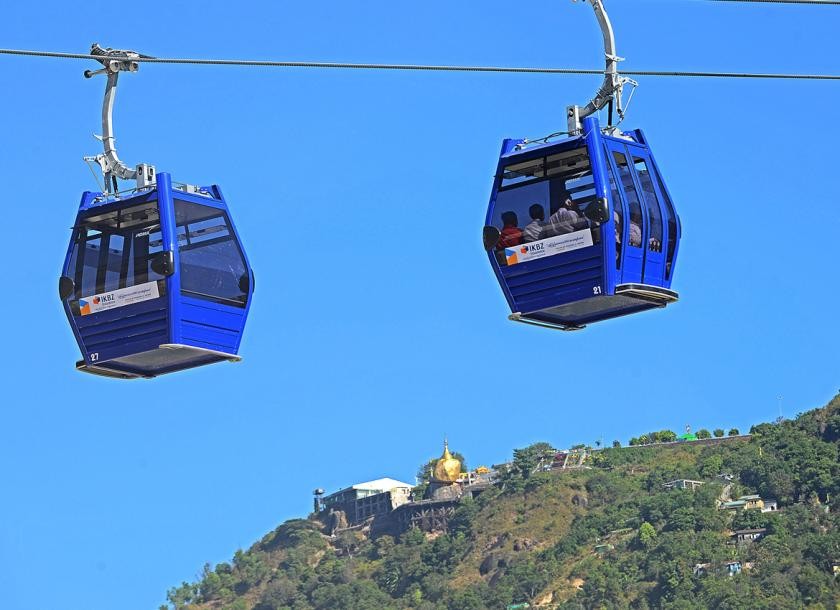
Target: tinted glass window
{"type": "Point", "coordinates": [550, 202]}
{"type": "Point", "coordinates": [618, 216]}
{"type": "Point", "coordinates": [652, 202]}
{"type": "Point", "coordinates": [634, 228]}
{"type": "Point", "coordinates": [671, 217]}
{"type": "Point", "coordinates": [212, 265]}
{"type": "Point", "coordinates": [90, 246]}
{"type": "Point", "coordinates": [112, 249]}
{"type": "Point", "coordinates": [522, 172]}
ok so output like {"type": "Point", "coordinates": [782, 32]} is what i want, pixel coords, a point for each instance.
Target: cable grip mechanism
{"type": "Point", "coordinates": [113, 62]}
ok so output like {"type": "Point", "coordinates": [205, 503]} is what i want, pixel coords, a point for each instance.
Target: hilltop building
{"type": "Point", "coordinates": [386, 505]}
{"type": "Point", "coordinates": [732, 567]}
{"type": "Point", "coordinates": [369, 499]}
{"type": "Point", "coordinates": [748, 535]}
{"type": "Point", "coordinates": [770, 506]}
{"type": "Point", "coordinates": [750, 502]}
{"type": "Point", "coordinates": [683, 484]}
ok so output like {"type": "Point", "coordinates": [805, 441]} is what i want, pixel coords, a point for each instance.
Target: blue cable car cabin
{"type": "Point", "coordinates": [581, 230]}
{"type": "Point", "coordinates": [156, 282]}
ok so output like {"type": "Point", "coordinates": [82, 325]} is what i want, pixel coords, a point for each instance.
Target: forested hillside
{"type": "Point", "coordinates": [610, 536]}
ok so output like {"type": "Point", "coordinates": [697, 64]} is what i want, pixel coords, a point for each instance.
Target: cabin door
{"type": "Point", "coordinates": [654, 244]}
{"type": "Point", "coordinates": [629, 214]}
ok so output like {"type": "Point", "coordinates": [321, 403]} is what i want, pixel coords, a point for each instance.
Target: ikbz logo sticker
{"type": "Point", "coordinates": [532, 249]}
{"type": "Point", "coordinates": [525, 252]}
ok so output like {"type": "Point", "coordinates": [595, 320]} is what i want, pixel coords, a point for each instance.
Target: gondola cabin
{"type": "Point", "coordinates": [155, 282]}
{"type": "Point", "coordinates": [581, 230]}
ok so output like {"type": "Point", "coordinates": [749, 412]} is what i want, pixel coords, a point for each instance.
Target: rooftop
{"type": "Point", "coordinates": [371, 487]}
{"type": "Point", "coordinates": [385, 484]}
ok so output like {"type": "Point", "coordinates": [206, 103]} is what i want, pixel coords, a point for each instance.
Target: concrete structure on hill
{"type": "Point", "coordinates": [750, 502]}
{"type": "Point", "coordinates": [447, 486]}
{"type": "Point", "coordinates": [770, 506]}
{"type": "Point", "coordinates": [369, 499]}
{"type": "Point", "coordinates": [385, 506]}
{"type": "Point", "coordinates": [570, 458]}
{"type": "Point", "coordinates": [748, 535]}
{"type": "Point", "coordinates": [732, 567]}
{"type": "Point", "coordinates": [683, 484]}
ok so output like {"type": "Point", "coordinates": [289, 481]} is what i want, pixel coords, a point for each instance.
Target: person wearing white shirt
{"type": "Point", "coordinates": [533, 229]}
{"type": "Point", "coordinates": [563, 220]}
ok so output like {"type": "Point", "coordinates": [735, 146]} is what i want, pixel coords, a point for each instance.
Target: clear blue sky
{"type": "Point", "coordinates": [377, 326]}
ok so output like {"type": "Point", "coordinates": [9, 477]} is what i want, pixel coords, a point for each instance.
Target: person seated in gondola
{"type": "Point", "coordinates": [533, 229]}
{"type": "Point", "coordinates": [618, 230]}
{"type": "Point", "coordinates": [635, 231]}
{"type": "Point", "coordinates": [565, 218]}
{"type": "Point", "coordinates": [511, 234]}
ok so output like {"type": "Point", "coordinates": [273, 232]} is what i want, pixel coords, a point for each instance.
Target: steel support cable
{"type": "Point", "coordinates": [429, 68]}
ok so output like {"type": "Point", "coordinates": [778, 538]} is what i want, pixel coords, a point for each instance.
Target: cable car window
{"type": "Point", "coordinates": [155, 242]}
{"type": "Point", "coordinates": [654, 211]}
{"type": "Point", "coordinates": [212, 266]}
{"type": "Point", "coordinates": [566, 161]}
{"type": "Point", "coordinates": [112, 250]}
{"type": "Point", "coordinates": [88, 263]}
{"type": "Point", "coordinates": [523, 172]}
{"type": "Point", "coordinates": [634, 235]}
{"type": "Point", "coordinates": [114, 265]}
{"type": "Point", "coordinates": [618, 216]}
{"type": "Point", "coordinates": [547, 205]}
{"type": "Point", "coordinates": [671, 216]}
{"type": "Point", "coordinates": [144, 214]}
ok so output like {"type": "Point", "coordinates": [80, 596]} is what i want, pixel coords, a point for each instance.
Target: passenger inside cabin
{"type": "Point", "coordinates": [618, 230]}
{"type": "Point", "coordinates": [635, 230]}
{"type": "Point", "coordinates": [533, 229]}
{"type": "Point", "coordinates": [511, 234]}
{"type": "Point", "coordinates": [582, 221]}
{"type": "Point", "coordinates": [565, 218]}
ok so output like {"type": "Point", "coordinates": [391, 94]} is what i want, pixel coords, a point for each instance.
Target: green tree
{"type": "Point", "coordinates": [734, 432]}
{"type": "Point", "coordinates": [527, 462]}
{"type": "Point", "coordinates": [667, 436]}
{"type": "Point", "coordinates": [719, 432]}
{"type": "Point", "coordinates": [280, 593]}
{"type": "Point", "coordinates": [647, 535]}
{"type": "Point", "coordinates": [250, 567]}
{"type": "Point", "coordinates": [182, 596]}
{"type": "Point", "coordinates": [703, 433]}
{"type": "Point", "coordinates": [616, 444]}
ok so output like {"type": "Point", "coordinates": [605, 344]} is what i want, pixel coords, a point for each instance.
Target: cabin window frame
{"type": "Point", "coordinates": [130, 265]}
{"type": "Point", "coordinates": [185, 244]}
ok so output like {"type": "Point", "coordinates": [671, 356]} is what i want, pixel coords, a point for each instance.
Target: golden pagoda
{"type": "Point", "coordinates": [447, 468]}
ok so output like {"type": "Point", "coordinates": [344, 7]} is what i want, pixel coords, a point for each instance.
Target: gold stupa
{"type": "Point", "coordinates": [447, 468]}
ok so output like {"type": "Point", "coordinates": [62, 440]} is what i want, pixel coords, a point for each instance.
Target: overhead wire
{"type": "Point", "coordinates": [427, 67]}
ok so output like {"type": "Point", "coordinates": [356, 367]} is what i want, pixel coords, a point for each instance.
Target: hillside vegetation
{"type": "Point", "coordinates": [533, 537]}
